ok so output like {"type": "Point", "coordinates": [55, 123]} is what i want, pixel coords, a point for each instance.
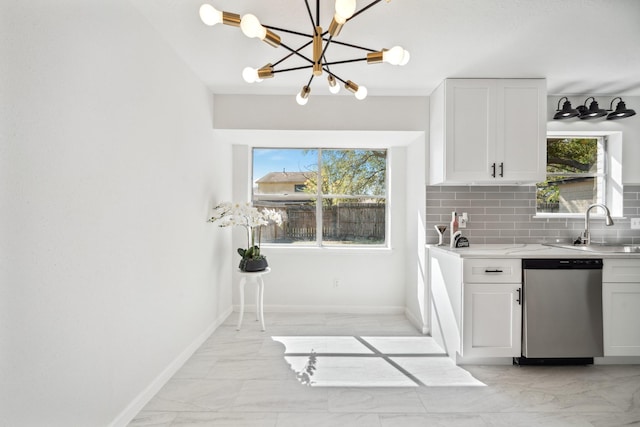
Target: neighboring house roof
{"type": "Point", "coordinates": [280, 177]}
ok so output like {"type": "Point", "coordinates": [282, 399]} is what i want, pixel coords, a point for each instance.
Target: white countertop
{"type": "Point", "coordinates": [527, 251]}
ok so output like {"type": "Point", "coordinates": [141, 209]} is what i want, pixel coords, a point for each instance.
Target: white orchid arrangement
{"type": "Point", "coordinates": [228, 214]}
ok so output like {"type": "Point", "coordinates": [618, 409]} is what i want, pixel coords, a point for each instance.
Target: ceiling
{"type": "Point", "coordinates": [581, 46]}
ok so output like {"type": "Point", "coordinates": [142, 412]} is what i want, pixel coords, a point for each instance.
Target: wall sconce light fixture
{"type": "Point", "coordinates": [593, 111]}
{"type": "Point", "coordinates": [567, 112]}
{"type": "Point", "coordinates": [621, 110]}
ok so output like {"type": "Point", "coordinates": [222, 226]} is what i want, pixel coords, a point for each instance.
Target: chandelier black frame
{"type": "Point", "coordinates": [319, 40]}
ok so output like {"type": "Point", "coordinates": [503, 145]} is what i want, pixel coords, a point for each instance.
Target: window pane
{"type": "Point", "coordinates": [573, 176]}
{"type": "Point", "coordinates": [354, 221]}
{"type": "Point", "coordinates": [283, 172]}
{"type": "Point", "coordinates": [575, 155]}
{"type": "Point", "coordinates": [281, 182]}
{"type": "Point", "coordinates": [352, 194]}
{"type": "Point", "coordinates": [354, 172]}
{"type": "Point", "coordinates": [298, 225]}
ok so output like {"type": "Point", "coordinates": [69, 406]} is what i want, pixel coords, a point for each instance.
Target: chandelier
{"type": "Point", "coordinates": [320, 40]}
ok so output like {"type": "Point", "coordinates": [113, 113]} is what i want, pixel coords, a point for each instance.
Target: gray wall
{"type": "Point", "coordinates": [504, 214]}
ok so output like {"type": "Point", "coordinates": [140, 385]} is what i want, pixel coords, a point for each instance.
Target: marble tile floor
{"type": "Point", "coordinates": [376, 371]}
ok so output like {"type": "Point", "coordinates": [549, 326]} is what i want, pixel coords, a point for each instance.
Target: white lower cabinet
{"type": "Point", "coordinates": [621, 307]}
{"type": "Point", "coordinates": [492, 312]}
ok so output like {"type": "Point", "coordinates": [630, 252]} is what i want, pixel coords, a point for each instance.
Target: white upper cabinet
{"type": "Point", "coordinates": [488, 131]}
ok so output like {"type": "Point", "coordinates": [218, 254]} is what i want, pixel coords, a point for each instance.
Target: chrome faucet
{"type": "Point", "coordinates": [585, 237]}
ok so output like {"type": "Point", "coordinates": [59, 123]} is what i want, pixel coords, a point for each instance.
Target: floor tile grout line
{"type": "Point", "coordinates": [390, 362]}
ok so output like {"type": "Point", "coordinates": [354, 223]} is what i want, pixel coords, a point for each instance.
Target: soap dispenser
{"type": "Point", "coordinates": [453, 229]}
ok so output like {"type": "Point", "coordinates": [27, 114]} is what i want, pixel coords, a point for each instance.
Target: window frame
{"type": "Point", "coordinates": [318, 243]}
{"type": "Point", "coordinates": [611, 177]}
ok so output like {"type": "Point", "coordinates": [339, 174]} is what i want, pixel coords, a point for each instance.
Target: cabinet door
{"type": "Point", "coordinates": [470, 116]}
{"type": "Point", "coordinates": [492, 320]}
{"type": "Point", "coordinates": [621, 317]}
{"type": "Point", "coordinates": [521, 130]}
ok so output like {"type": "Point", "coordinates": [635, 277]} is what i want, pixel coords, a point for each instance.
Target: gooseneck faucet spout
{"type": "Point", "coordinates": [585, 237]}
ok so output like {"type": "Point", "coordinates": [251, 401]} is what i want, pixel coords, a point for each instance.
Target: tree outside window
{"type": "Point", "coordinates": [575, 175]}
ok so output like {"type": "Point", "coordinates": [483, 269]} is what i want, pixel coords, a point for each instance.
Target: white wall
{"type": "Point", "coordinates": [416, 289]}
{"type": "Point", "coordinates": [630, 128]}
{"type": "Point", "coordinates": [110, 275]}
{"type": "Point", "coordinates": [371, 281]}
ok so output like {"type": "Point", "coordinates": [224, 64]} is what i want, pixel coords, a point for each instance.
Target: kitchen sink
{"type": "Point", "coordinates": [595, 247]}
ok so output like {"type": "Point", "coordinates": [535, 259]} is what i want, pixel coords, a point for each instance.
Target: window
{"type": "Point", "coordinates": [576, 175]}
{"type": "Point", "coordinates": [328, 197]}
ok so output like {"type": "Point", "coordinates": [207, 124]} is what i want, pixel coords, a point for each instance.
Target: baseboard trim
{"type": "Point", "coordinates": [125, 417]}
{"type": "Point", "coordinates": [422, 327]}
{"type": "Point", "coordinates": [334, 309]}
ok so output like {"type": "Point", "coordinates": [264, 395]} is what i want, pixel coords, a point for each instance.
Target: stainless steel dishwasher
{"type": "Point", "coordinates": [562, 311]}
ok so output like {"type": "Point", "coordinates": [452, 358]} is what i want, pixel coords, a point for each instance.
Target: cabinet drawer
{"type": "Point", "coordinates": [492, 271]}
{"type": "Point", "coordinates": [621, 270]}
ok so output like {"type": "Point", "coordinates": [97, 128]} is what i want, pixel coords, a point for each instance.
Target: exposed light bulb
{"type": "Point", "coordinates": [251, 27]}
{"type": "Point", "coordinates": [210, 15]}
{"type": "Point", "coordinates": [303, 96]}
{"type": "Point", "coordinates": [361, 93]}
{"type": "Point", "coordinates": [250, 75]}
{"type": "Point", "coordinates": [393, 56]}
{"type": "Point", "coordinates": [333, 85]}
{"type": "Point", "coordinates": [300, 100]}
{"type": "Point", "coordinates": [405, 58]}
{"type": "Point", "coordinates": [345, 10]}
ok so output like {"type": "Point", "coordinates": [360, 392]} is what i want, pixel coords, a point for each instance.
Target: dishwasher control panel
{"type": "Point", "coordinates": [556, 263]}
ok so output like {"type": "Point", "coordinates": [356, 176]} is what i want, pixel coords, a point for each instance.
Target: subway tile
{"type": "Point", "coordinates": [500, 211]}
{"type": "Point", "coordinates": [486, 203]}
{"type": "Point", "coordinates": [457, 188]}
{"type": "Point", "coordinates": [483, 233]}
{"type": "Point", "coordinates": [499, 196]}
{"type": "Point", "coordinates": [524, 196]}
{"type": "Point", "coordinates": [476, 196]}
{"type": "Point", "coordinates": [514, 203]}
{"type": "Point", "coordinates": [442, 196]}
{"type": "Point", "coordinates": [500, 226]}
{"type": "Point", "coordinates": [517, 189]}
{"type": "Point", "coordinates": [500, 240]}
{"type": "Point", "coordinates": [631, 203]}
{"type": "Point", "coordinates": [514, 218]}
{"type": "Point", "coordinates": [433, 202]}
{"type": "Point", "coordinates": [456, 203]}
{"type": "Point", "coordinates": [526, 210]}
{"type": "Point", "coordinates": [481, 188]}
{"type": "Point", "coordinates": [532, 225]}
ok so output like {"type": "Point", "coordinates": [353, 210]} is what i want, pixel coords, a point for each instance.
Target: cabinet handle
{"type": "Point", "coordinates": [501, 170]}
{"type": "Point", "coordinates": [493, 271]}
{"type": "Point", "coordinates": [519, 299]}
{"type": "Point", "coordinates": [493, 168]}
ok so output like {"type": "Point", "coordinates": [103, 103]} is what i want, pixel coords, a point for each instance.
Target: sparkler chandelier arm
{"type": "Point", "coordinates": [320, 41]}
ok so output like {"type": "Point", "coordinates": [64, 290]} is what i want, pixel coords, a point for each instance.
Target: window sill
{"type": "Point", "coordinates": [316, 250]}
{"type": "Point", "coordinates": [573, 216]}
